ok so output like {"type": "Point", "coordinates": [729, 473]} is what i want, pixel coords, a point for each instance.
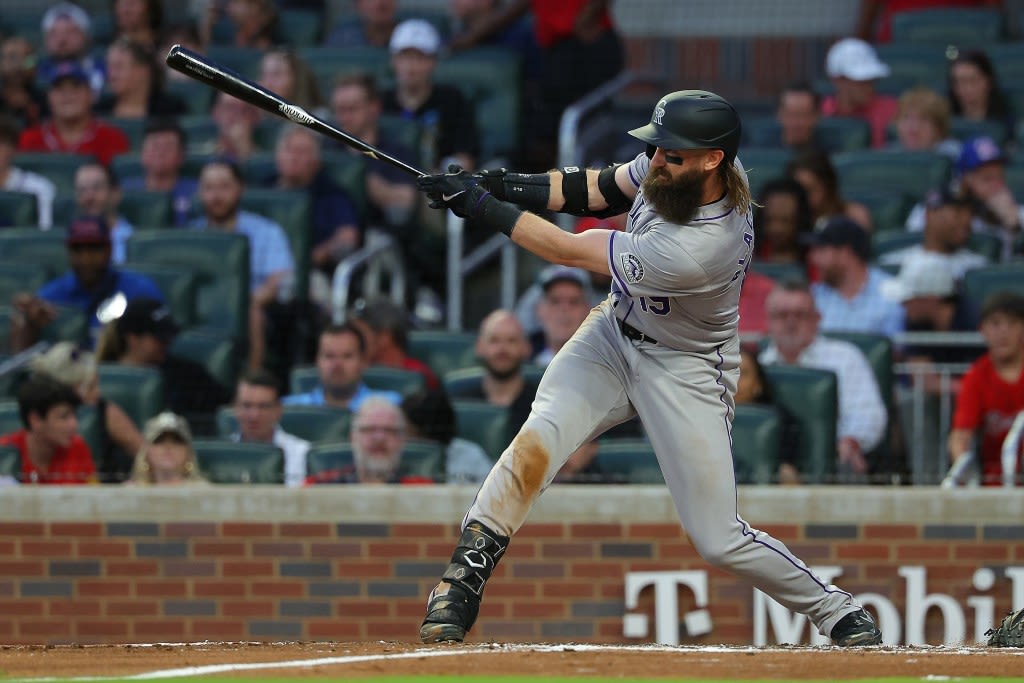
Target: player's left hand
{"type": "Point", "coordinates": [458, 190]}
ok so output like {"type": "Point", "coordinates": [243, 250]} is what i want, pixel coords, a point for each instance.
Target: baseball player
{"type": "Point", "coordinates": [664, 345]}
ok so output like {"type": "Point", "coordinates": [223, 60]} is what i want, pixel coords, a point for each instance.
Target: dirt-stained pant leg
{"type": "Point", "coordinates": [581, 395]}
{"type": "Point", "coordinates": [685, 402]}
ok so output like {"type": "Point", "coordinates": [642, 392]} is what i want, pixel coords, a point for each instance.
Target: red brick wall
{"type": "Point", "coordinates": [164, 581]}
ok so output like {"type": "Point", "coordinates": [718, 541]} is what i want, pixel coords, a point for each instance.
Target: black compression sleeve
{"type": "Point", "coordinates": [529, 190]}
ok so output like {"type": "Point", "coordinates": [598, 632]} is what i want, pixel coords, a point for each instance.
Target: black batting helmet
{"type": "Point", "coordinates": [693, 119]}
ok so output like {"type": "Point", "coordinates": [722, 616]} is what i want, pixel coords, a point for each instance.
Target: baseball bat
{"type": "Point", "coordinates": [202, 69]}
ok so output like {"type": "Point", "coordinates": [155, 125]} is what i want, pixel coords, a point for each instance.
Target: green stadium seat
{"type": "Point", "coordinates": [44, 249]}
{"type": "Point", "coordinates": [987, 244]}
{"type": "Point", "coordinates": [349, 171]}
{"type": "Point", "coordinates": [244, 60]}
{"type": "Point", "coordinates": [981, 283]}
{"type": "Point", "coordinates": [69, 325]}
{"type": "Point", "coordinates": [761, 131]}
{"type": "Point", "coordinates": [228, 462]}
{"type": "Point", "coordinates": [316, 424]}
{"type": "Point", "coordinates": [200, 133]}
{"type": "Point", "coordinates": [913, 64]}
{"type": "Point", "coordinates": [17, 277]}
{"type": "Point", "coordinates": [756, 443]}
{"type": "Point", "coordinates": [963, 129]}
{"type": "Point", "coordinates": [64, 210]}
{"type": "Point", "coordinates": [877, 348]}
{"type": "Point", "coordinates": [811, 396]}
{"type": "Point", "coordinates": [18, 209]}
{"type": "Point", "coordinates": [147, 210]}
{"type": "Point", "coordinates": [292, 210]}
{"type": "Point", "coordinates": [10, 462]}
{"type": "Point", "coordinates": [132, 128]}
{"type": "Point", "coordinates": [913, 173]}
{"type": "Point", "coordinates": [303, 379]}
{"type": "Point", "coordinates": [258, 170]}
{"type": "Point", "coordinates": [198, 97]}
{"type": "Point", "coordinates": [888, 241]}
{"type": "Point", "coordinates": [889, 209]}
{"type": "Point", "coordinates": [301, 27]}
{"type": "Point", "coordinates": [383, 378]}
{"type": "Point", "coordinates": [138, 390]}
{"type": "Point", "coordinates": [945, 26]}
{"type": "Point", "coordinates": [403, 131]}
{"type": "Point", "coordinates": [328, 63]}
{"type": "Point", "coordinates": [335, 456]}
{"type": "Point", "coordinates": [843, 133]}
{"type": "Point", "coordinates": [482, 423]}
{"type": "Point", "coordinates": [266, 133]}
{"type": "Point", "coordinates": [763, 164]}
{"type": "Point", "coordinates": [59, 167]}
{"type": "Point", "coordinates": [419, 459]}
{"type": "Point", "coordinates": [780, 272]}
{"type": "Point", "coordinates": [629, 461]}
{"type": "Point", "coordinates": [441, 350]}
{"type": "Point", "coordinates": [90, 428]}
{"type": "Point", "coordinates": [465, 382]}
{"type": "Point", "coordinates": [178, 284]}
{"type": "Point", "coordinates": [218, 354]}
{"type": "Point", "coordinates": [220, 261]}
{"type": "Point", "coordinates": [10, 418]}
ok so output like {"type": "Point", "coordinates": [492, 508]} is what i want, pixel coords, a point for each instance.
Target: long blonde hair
{"type": "Point", "coordinates": [156, 427]}
{"type": "Point", "coordinates": [737, 189]}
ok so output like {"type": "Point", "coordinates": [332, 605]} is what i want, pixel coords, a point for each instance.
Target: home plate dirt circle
{"type": "Point", "coordinates": [347, 660]}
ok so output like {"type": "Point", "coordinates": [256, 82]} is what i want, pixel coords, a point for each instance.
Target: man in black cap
{"type": "Point", "coordinates": [91, 281]}
{"type": "Point", "coordinates": [850, 295]}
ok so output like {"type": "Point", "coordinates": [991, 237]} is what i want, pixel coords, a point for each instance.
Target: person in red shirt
{"type": "Point", "coordinates": [992, 391]}
{"type": "Point", "coordinates": [853, 67]}
{"type": "Point", "coordinates": [52, 452]}
{"type": "Point", "coordinates": [72, 127]}
{"type": "Point", "coordinates": [385, 326]}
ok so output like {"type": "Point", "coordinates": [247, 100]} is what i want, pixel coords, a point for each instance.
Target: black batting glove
{"type": "Point", "coordinates": [463, 193]}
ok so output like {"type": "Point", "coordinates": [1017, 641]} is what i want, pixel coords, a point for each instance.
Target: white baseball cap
{"type": "Point", "coordinates": [68, 10]}
{"type": "Point", "coordinates": [415, 34]}
{"type": "Point", "coordinates": [922, 274]}
{"type": "Point", "coordinates": [854, 59]}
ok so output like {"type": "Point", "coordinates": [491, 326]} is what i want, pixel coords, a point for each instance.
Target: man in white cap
{"type": "Point", "coordinates": [66, 37]}
{"type": "Point", "coordinates": [853, 67]}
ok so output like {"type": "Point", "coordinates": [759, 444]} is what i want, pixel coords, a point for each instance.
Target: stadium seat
{"type": "Point", "coordinates": [301, 27]}
{"type": "Point", "coordinates": [59, 167]}
{"type": "Point", "coordinates": [138, 390]}
{"type": "Point", "coordinates": [483, 424]}
{"type": "Point", "coordinates": [244, 60]}
{"type": "Point", "coordinates": [10, 418]}
{"type": "Point", "coordinates": [986, 244]}
{"type": "Point", "coordinates": [465, 382]}
{"type": "Point", "coordinates": [90, 429]}
{"type": "Point", "coordinates": [441, 350]}
{"type": "Point", "coordinates": [844, 134]}
{"type": "Point", "coordinates": [317, 424]}
{"type": "Point", "coordinates": [44, 249]}
{"type": "Point", "coordinates": [889, 209]}
{"type": "Point", "coordinates": [328, 63]}
{"type": "Point", "coordinates": [419, 459]}
{"type": "Point", "coordinates": [69, 325]}
{"type": "Point", "coordinates": [628, 461]}
{"type": "Point", "coordinates": [132, 128]}
{"type": "Point", "coordinates": [404, 131]}
{"type": "Point", "coordinates": [220, 261]}
{"type": "Point", "coordinates": [877, 348]}
{"type": "Point", "coordinates": [266, 133]}
{"type": "Point", "coordinates": [198, 97]}
{"type": "Point", "coordinates": [811, 396]}
{"type": "Point", "coordinates": [756, 443]}
{"type": "Point", "coordinates": [147, 210]}
{"type": "Point", "coordinates": [228, 462]}
{"type": "Point", "coordinates": [949, 26]}
{"type": "Point", "coordinates": [10, 462]}
{"type": "Point", "coordinates": [200, 133]}
{"type": "Point", "coordinates": [348, 171]}
{"type": "Point", "coordinates": [383, 378]}
{"type": "Point", "coordinates": [912, 64]}
{"type": "Point", "coordinates": [913, 173]}
{"type": "Point", "coordinates": [981, 283]}
{"type": "Point", "coordinates": [292, 210]}
{"type": "Point", "coordinates": [888, 241]}
{"type": "Point", "coordinates": [18, 209]}
{"type": "Point", "coordinates": [303, 379]}
{"type": "Point", "coordinates": [963, 129]}
{"type": "Point", "coordinates": [178, 284]}
{"type": "Point", "coordinates": [780, 272]}
{"type": "Point", "coordinates": [763, 164]}
{"type": "Point", "coordinates": [218, 354]}
{"type": "Point", "coordinates": [17, 277]}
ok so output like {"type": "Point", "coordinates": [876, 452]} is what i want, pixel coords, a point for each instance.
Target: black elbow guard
{"type": "Point", "coordinates": [574, 190]}
{"type": "Point", "coordinates": [529, 190]}
{"type": "Point", "coordinates": [617, 200]}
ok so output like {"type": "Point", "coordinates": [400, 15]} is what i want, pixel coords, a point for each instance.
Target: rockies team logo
{"type": "Point", "coordinates": [632, 269]}
{"type": "Point", "coordinates": [659, 112]}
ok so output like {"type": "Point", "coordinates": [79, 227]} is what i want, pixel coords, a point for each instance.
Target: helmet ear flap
{"type": "Point", "coordinates": [651, 150]}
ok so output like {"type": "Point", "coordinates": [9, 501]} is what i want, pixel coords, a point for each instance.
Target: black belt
{"type": "Point", "coordinates": [635, 334]}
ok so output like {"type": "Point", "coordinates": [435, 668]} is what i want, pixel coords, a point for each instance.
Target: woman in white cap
{"type": "Point", "coordinates": [167, 457]}
{"type": "Point", "coordinates": [117, 435]}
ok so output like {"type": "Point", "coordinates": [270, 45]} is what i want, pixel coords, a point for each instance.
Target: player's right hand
{"type": "Point", "coordinates": [458, 190]}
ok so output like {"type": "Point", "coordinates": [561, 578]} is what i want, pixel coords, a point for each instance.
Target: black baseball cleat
{"type": "Point", "coordinates": [856, 629]}
{"type": "Point", "coordinates": [449, 615]}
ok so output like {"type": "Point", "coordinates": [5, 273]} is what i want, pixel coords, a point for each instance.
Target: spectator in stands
{"type": "Point", "coordinates": [117, 435]}
{"type": "Point", "coordinates": [850, 296]}
{"type": "Point", "coordinates": [335, 226]}
{"type": "Point", "coordinates": [14, 179]}
{"type": "Point", "coordinates": [992, 392]}
{"type": "Point", "coordinates": [91, 281]}
{"type": "Point", "coordinates": [529, 303]}
{"type": "Point", "coordinates": [390, 192]}
{"type": "Point", "coordinates": [236, 126]}
{"type": "Point", "coordinates": [922, 124]}
{"type": "Point", "coordinates": [140, 21]}
{"type": "Point", "coordinates": [473, 26]}
{"type": "Point", "coordinates": [370, 25]}
{"type": "Point", "coordinates": [853, 67]}
{"type": "Point", "coordinates": [813, 169]}
{"type": "Point", "coordinates": [793, 330]}
{"type": "Point", "coordinates": [974, 90]}
{"type": "Point", "coordinates": [429, 415]}
{"type": "Point", "coordinates": [947, 230]}
{"type": "Point", "coordinates": [753, 389]}
{"type": "Point", "coordinates": [753, 295]}
{"type": "Point", "coordinates": [447, 117]}
{"type": "Point", "coordinates": [167, 457]}
{"type": "Point", "coordinates": [52, 452]}
{"type": "Point", "coordinates": [798, 113]}
{"type": "Point", "coordinates": [66, 38]}
{"type": "Point", "coordinates": [258, 411]}
{"type": "Point", "coordinates": [250, 23]}
{"type": "Point", "coordinates": [874, 21]}
{"type": "Point", "coordinates": [271, 266]}
{"type": "Point", "coordinates": [282, 71]}
{"type": "Point", "coordinates": [142, 336]}
{"type": "Point", "coordinates": [19, 95]}
{"type": "Point", "coordinates": [135, 86]}
{"type": "Point", "coordinates": [97, 194]}
{"type": "Point", "coordinates": [72, 126]}
{"type": "Point", "coordinates": [387, 336]}
{"type": "Point", "coordinates": [183, 33]}
{"type": "Point", "coordinates": [781, 220]}
{"type": "Point", "coordinates": [563, 306]}
{"type": "Point", "coordinates": [162, 158]}
{"type": "Point", "coordinates": [341, 360]}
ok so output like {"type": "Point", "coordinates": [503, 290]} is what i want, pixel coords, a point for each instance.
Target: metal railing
{"type": "Point", "coordinates": [380, 259]}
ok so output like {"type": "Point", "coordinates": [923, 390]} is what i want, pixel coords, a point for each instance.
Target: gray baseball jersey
{"type": "Point", "coordinates": [680, 286]}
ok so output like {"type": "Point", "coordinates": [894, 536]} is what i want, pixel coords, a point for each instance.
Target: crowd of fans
{"type": "Point", "coordinates": [141, 132]}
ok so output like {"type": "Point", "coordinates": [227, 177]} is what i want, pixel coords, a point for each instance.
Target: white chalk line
{"type": "Point", "coordinates": [494, 648]}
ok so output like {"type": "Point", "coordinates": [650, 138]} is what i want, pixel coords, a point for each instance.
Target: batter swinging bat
{"type": "Point", "coordinates": [202, 69]}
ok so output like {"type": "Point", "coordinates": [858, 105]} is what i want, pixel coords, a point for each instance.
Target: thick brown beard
{"type": "Point", "coordinates": [675, 199]}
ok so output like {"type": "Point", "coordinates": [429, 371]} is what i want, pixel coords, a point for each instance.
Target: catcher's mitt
{"type": "Point", "coordinates": [1009, 633]}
